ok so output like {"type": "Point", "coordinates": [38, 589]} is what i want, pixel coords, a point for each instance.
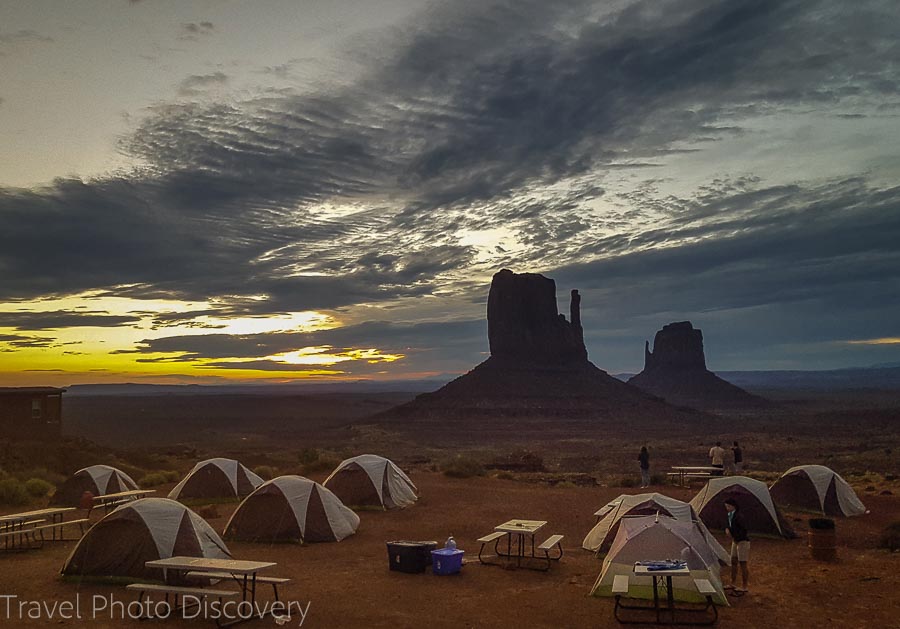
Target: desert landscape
{"type": "Point", "coordinates": [325, 292]}
{"type": "Point", "coordinates": [470, 481]}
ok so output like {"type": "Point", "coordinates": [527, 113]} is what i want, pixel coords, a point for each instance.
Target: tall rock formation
{"type": "Point", "coordinates": [525, 325]}
{"type": "Point", "coordinates": [676, 371]}
{"type": "Point", "coordinates": [538, 368]}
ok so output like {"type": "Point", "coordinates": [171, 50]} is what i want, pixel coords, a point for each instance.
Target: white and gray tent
{"type": "Point", "coordinates": [817, 488]}
{"type": "Point", "coordinates": [97, 479]}
{"type": "Point", "coordinates": [650, 538]}
{"type": "Point", "coordinates": [216, 478]}
{"type": "Point", "coordinates": [140, 531]}
{"type": "Point", "coordinates": [371, 480]}
{"type": "Point", "coordinates": [601, 537]}
{"type": "Point", "coordinates": [758, 511]}
{"type": "Point", "coordinates": [291, 509]}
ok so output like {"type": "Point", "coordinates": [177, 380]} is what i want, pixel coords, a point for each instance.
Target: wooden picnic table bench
{"type": "Point", "coordinates": [273, 581]}
{"type": "Point", "coordinates": [178, 591]}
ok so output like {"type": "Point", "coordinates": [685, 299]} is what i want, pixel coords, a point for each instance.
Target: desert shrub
{"type": "Point", "coordinates": [658, 479]}
{"type": "Point", "coordinates": [506, 476]}
{"type": "Point", "coordinates": [565, 485]}
{"type": "Point", "coordinates": [42, 473]}
{"type": "Point", "coordinates": [13, 492]}
{"type": "Point", "coordinates": [38, 487]}
{"type": "Point", "coordinates": [520, 461]}
{"type": "Point", "coordinates": [890, 537]}
{"type": "Point", "coordinates": [462, 467]}
{"type": "Point", "coordinates": [154, 479]}
{"type": "Point", "coordinates": [628, 481]}
{"type": "Point", "coordinates": [308, 456]}
{"type": "Point", "coordinates": [172, 476]}
{"type": "Point", "coordinates": [265, 472]}
{"type": "Point", "coordinates": [323, 463]}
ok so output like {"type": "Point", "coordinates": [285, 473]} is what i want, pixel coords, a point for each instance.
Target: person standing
{"type": "Point", "coordinates": [717, 458]}
{"type": "Point", "coordinates": [644, 459]}
{"type": "Point", "coordinates": [740, 546]}
{"type": "Point", "coordinates": [738, 458]}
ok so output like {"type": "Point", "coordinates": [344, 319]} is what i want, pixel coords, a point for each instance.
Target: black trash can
{"type": "Point", "coordinates": [410, 557]}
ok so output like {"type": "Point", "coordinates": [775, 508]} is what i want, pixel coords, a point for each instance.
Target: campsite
{"type": "Point", "coordinates": [348, 583]}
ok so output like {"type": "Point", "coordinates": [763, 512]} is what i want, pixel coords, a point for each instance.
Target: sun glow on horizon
{"type": "Point", "coordinates": [74, 339]}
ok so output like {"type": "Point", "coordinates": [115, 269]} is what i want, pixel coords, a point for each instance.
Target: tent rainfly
{"type": "Point", "coordinates": [817, 488]}
{"type": "Point", "coordinates": [140, 531]}
{"type": "Point", "coordinates": [291, 508]}
{"type": "Point", "coordinates": [371, 480]}
{"type": "Point", "coordinates": [759, 513]}
{"type": "Point", "coordinates": [97, 479]}
{"type": "Point", "coordinates": [649, 538]}
{"type": "Point", "coordinates": [216, 478]}
{"type": "Point", "coordinates": [601, 537]}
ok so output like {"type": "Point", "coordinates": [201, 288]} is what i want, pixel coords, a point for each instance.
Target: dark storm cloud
{"type": "Point", "coordinates": [777, 266]}
{"type": "Point", "coordinates": [62, 319]}
{"type": "Point", "coordinates": [471, 109]}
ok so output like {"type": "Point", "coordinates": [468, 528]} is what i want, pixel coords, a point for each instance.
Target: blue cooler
{"type": "Point", "coordinates": [447, 560]}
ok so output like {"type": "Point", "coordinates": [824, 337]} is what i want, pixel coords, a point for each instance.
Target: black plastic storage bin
{"type": "Point", "coordinates": [410, 557]}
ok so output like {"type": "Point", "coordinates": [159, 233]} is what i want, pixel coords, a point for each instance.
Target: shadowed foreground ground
{"type": "Point", "coordinates": [349, 585]}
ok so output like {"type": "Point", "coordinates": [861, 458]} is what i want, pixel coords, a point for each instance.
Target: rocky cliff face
{"type": "Point", "coordinates": [525, 325]}
{"type": "Point", "coordinates": [676, 371]}
{"type": "Point", "coordinates": [676, 346]}
{"type": "Point", "coordinates": [538, 370]}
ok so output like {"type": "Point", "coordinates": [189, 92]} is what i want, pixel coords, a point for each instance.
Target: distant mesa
{"type": "Point", "coordinates": [538, 367]}
{"type": "Point", "coordinates": [676, 371]}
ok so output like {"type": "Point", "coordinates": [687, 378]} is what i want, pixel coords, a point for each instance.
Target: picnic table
{"type": "Point", "coordinates": [56, 515]}
{"type": "Point", "coordinates": [520, 529]}
{"type": "Point", "coordinates": [14, 530]}
{"type": "Point", "coordinates": [178, 569]}
{"type": "Point", "coordinates": [692, 471]}
{"type": "Point", "coordinates": [108, 501]}
{"type": "Point", "coordinates": [662, 578]}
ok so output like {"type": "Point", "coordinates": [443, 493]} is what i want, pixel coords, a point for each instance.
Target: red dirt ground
{"type": "Point", "coordinates": [349, 584]}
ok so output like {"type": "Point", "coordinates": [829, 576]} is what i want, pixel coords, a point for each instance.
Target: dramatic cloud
{"type": "Point", "coordinates": [533, 134]}
{"type": "Point", "coordinates": [53, 320]}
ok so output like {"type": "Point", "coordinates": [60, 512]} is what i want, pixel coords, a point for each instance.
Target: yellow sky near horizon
{"type": "Point", "coordinates": [93, 354]}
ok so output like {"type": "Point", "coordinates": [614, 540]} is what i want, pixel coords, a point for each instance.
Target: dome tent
{"type": "Point", "coordinates": [371, 480]}
{"type": "Point", "coordinates": [140, 531]}
{"type": "Point", "coordinates": [216, 478]}
{"type": "Point", "coordinates": [650, 537]}
{"type": "Point", "coordinates": [97, 479]}
{"type": "Point", "coordinates": [291, 508]}
{"type": "Point", "coordinates": [601, 537]}
{"type": "Point", "coordinates": [817, 488]}
{"type": "Point", "coordinates": [759, 513]}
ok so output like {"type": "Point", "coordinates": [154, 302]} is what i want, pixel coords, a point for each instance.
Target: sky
{"type": "Point", "coordinates": [224, 191]}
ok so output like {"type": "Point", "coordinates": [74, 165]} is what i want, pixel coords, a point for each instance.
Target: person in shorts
{"type": "Point", "coordinates": [740, 546]}
{"type": "Point", "coordinates": [717, 458]}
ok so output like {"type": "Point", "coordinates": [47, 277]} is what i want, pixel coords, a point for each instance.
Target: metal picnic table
{"type": "Point", "coordinates": [520, 528]}
{"type": "Point", "coordinates": [683, 470]}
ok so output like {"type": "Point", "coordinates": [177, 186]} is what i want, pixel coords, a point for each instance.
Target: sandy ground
{"type": "Point", "coordinates": [348, 584]}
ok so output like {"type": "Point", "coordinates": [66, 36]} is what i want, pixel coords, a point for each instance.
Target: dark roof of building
{"type": "Point", "coordinates": [29, 390]}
